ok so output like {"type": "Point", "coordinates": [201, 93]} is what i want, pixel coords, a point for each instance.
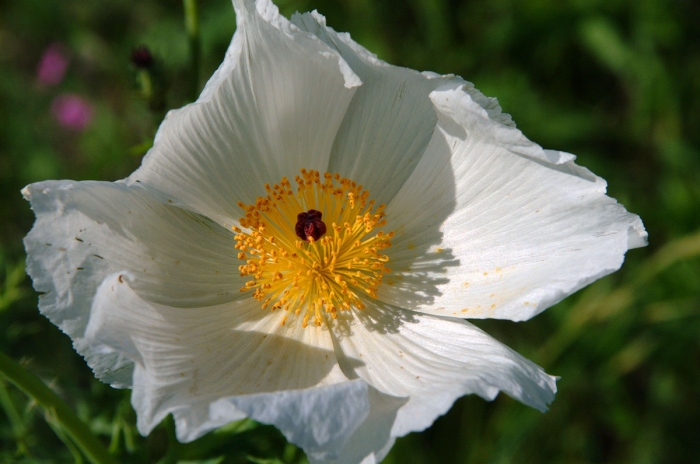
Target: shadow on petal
{"type": "Point", "coordinates": [186, 358]}
{"type": "Point", "coordinates": [382, 319]}
{"type": "Point", "coordinates": [416, 215]}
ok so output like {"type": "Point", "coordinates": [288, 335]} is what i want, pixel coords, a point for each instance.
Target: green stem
{"type": "Point", "coordinates": [15, 419]}
{"type": "Point", "coordinates": [44, 396]}
{"type": "Point", "coordinates": [192, 29]}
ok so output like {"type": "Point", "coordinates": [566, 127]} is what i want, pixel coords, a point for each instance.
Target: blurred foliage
{"type": "Point", "coordinates": [613, 81]}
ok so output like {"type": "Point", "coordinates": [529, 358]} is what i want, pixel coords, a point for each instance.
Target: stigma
{"type": "Point", "coordinates": [297, 264]}
{"type": "Point", "coordinates": [310, 226]}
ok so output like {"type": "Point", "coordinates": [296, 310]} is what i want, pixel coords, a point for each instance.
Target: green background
{"type": "Point", "coordinates": [615, 82]}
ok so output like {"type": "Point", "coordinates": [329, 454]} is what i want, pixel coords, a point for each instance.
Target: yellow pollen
{"type": "Point", "coordinates": [318, 277]}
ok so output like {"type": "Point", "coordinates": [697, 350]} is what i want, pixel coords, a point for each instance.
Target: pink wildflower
{"type": "Point", "coordinates": [53, 65]}
{"type": "Point", "coordinates": [72, 111]}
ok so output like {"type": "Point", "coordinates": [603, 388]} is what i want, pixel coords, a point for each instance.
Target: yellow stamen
{"type": "Point", "coordinates": [327, 275]}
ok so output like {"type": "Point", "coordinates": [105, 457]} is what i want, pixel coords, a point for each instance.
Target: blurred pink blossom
{"type": "Point", "coordinates": [53, 65]}
{"type": "Point", "coordinates": [72, 111]}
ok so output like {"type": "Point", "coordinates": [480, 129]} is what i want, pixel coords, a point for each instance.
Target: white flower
{"type": "Point", "coordinates": [343, 340]}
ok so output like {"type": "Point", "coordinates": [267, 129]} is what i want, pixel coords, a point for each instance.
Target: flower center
{"type": "Point", "coordinates": [295, 265]}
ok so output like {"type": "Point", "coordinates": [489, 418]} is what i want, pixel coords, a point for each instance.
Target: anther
{"type": "Point", "coordinates": [309, 273]}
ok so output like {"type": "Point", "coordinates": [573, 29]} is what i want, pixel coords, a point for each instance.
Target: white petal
{"type": "Point", "coordinates": [273, 107]}
{"type": "Point", "coordinates": [391, 118]}
{"type": "Point", "coordinates": [372, 440]}
{"type": "Point", "coordinates": [192, 361]}
{"type": "Point", "coordinates": [486, 228]}
{"type": "Point", "coordinates": [319, 420]}
{"type": "Point", "coordinates": [87, 230]}
{"type": "Point", "coordinates": [433, 361]}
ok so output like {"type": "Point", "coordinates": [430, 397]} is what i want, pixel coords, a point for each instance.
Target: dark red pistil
{"type": "Point", "coordinates": [309, 224]}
